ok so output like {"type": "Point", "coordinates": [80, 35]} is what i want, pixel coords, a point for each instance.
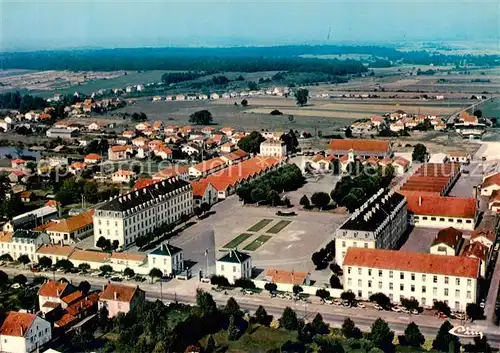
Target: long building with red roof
{"type": "Point", "coordinates": [361, 148]}
{"type": "Point", "coordinates": [402, 274]}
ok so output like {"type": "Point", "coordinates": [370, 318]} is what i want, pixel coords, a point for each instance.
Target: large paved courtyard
{"type": "Point", "coordinates": [288, 248]}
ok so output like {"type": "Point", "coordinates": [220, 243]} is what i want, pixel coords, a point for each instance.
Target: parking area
{"type": "Point", "coordinates": [290, 248]}
{"type": "Point", "coordinates": [320, 183]}
{"type": "Point", "coordinates": [471, 176]}
{"type": "Point", "coordinates": [420, 240]}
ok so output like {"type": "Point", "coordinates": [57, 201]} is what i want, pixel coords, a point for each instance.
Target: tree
{"type": "Point", "coordinates": [244, 103]}
{"type": "Point", "coordinates": [322, 293]}
{"type": "Point", "coordinates": [474, 311]}
{"type": "Point", "coordinates": [442, 307]}
{"type": "Point", "coordinates": [205, 302]}
{"type": "Point", "coordinates": [336, 269]}
{"type": "Point", "coordinates": [251, 143]}
{"type": "Point", "coordinates": [335, 282]}
{"type": "Point", "coordinates": [106, 269]}
{"type": "Point", "coordinates": [103, 243]}
{"type": "Point", "coordinates": [205, 207]}
{"type": "Point", "coordinates": [381, 335]}
{"type": "Point", "coordinates": [271, 287]}
{"type": "Point", "coordinates": [84, 287]}
{"type": "Point", "coordinates": [348, 295]}
{"type": "Point", "coordinates": [4, 277]}
{"type": "Point", "coordinates": [201, 117]}
{"type": "Point", "coordinates": [6, 257]}
{"type": "Point", "coordinates": [348, 133]}
{"type": "Point", "coordinates": [320, 199]}
{"type": "Point", "coordinates": [328, 344]}
{"type": "Point", "coordinates": [232, 330]}
{"type": "Point", "coordinates": [297, 289]}
{"type": "Point", "coordinates": [155, 273]}
{"type": "Point", "coordinates": [45, 262]}
{"type": "Point", "coordinates": [273, 198]}
{"type": "Point", "coordinates": [210, 347]}
{"type": "Point", "coordinates": [129, 272]}
{"type": "Point", "coordinates": [64, 264]}
{"type": "Point", "coordinates": [304, 202]}
{"type": "Point", "coordinates": [289, 319]}
{"type": "Point", "coordinates": [381, 299]}
{"type": "Point", "coordinates": [232, 308]}
{"type": "Point", "coordinates": [103, 319]}
{"type": "Point", "coordinates": [444, 339]}
{"type": "Point", "coordinates": [413, 336]}
{"type": "Point", "coordinates": [24, 259]}
{"type": "Point", "coordinates": [349, 329]}
{"type": "Point", "coordinates": [301, 96]}
{"type": "Point", "coordinates": [262, 317]}
{"type": "Point", "coordinates": [481, 345]}
{"type": "Point", "coordinates": [478, 114]}
{"type": "Point", "coordinates": [319, 259]}
{"type": "Point", "coordinates": [20, 279]}
{"type": "Point", "coordinates": [410, 304]}
{"type": "Point", "coordinates": [258, 195]}
{"type": "Point", "coordinates": [318, 325]}
{"type": "Point", "coordinates": [84, 267]}
{"type": "Point", "coordinates": [197, 211]}
{"type": "Point", "coordinates": [419, 153]}
{"type": "Point", "coordinates": [91, 192]}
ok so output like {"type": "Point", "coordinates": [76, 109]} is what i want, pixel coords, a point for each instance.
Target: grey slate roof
{"type": "Point", "coordinates": [234, 256]}
{"type": "Point", "coordinates": [26, 234]}
{"type": "Point", "coordinates": [135, 198]}
{"type": "Point", "coordinates": [166, 249]}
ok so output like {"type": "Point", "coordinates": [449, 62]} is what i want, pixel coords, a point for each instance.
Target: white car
{"type": "Point", "coordinates": [337, 302]}
{"type": "Point", "coordinates": [360, 305]}
{"type": "Point", "coordinates": [405, 310]}
{"type": "Point", "coordinates": [396, 309]}
{"type": "Point", "coordinates": [346, 303]}
{"type": "Point", "coordinates": [415, 312]}
{"type": "Point", "coordinates": [378, 307]}
{"type": "Point", "coordinates": [328, 301]}
{"type": "Point", "coordinates": [16, 286]}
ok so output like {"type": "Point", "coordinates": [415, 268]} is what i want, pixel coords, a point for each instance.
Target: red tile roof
{"type": "Point", "coordinates": [493, 179]}
{"type": "Point", "coordinates": [199, 187]}
{"type": "Point", "coordinates": [402, 162]}
{"type": "Point", "coordinates": [70, 298]}
{"type": "Point", "coordinates": [449, 236]}
{"type": "Point", "coordinates": [123, 293]}
{"type": "Point", "coordinates": [440, 206]}
{"type": "Point", "coordinates": [289, 277]}
{"type": "Point", "coordinates": [16, 324]}
{"type": "Point", "coordinates": [211, 164]}
{"type": "Point", "coordinates": [477, 250]}
{"type": "Point", "coordinates": [412, 262]}
{"type": "Point", "coordinates": [83, 304]}
{"type": "Point", "coordinates": [379, 146]}
{"type": "Point", "coordinates": [73, 223]}
{"type": "Point", "coordinates": [52, 288]}
{"type": "Point", "coordinates": [93, 157]}
{"type": "Point", "coordinates": [483, 232]}
{"type": "Point", "coordinates": [143, 182]}
{"type": "Point", "coordinates": [65, 320]}
{"type": "Point", "coordinates": [171, 172]}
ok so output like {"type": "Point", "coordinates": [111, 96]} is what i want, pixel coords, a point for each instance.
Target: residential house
{"type": "Point", "coordinates": [377, 120]}
{"type": "Point", "coordinates": [402, 274]}
{"type": "Point", "coordinates": [96, 126]}
{"type": "Point", "coordinates": [26, 242]}
{"type": "Point", "coordinates": [448, 242]}
{"type": "Point", "coordinates": [459, 157]}
{"type": "Point", "coordinates": [140, 141]}
{"type": "Point", "coordinates": [490, 184]}
{"type": "Point", "coordinates": [128, 134]}
{"type": "Point", "coordinates": [118, 153]}
{"type": "Point", "coordinates": [144, 152]}
{"type": "Point", "coordinates": [24, 333]}
{"type": "Point", "coordinates": [397, 126]}
{"type": "Point", "coordinates": [77, 168]}
{"type": "Point", "coordinates": [291, 278]}
{"type": "Point", "coordinates": [203, 192]}
{"type": "Point", "coordinates": [228, 147]}
{"type": "Point", "coordinates": [228, 130]}
{"type": "Point", "coordinates": [494, 201]}
{"type": "Point", "coordinates": [361, 148]}
{"type": "Point", "coordinates": [235, 157]}
{"type": "Point", "coordinates": [18, 163]}
{"type": "Point", "coordinates": [167, 258]}
{"type": "Point", "coordinates": [164, 153]}
{"type": "Point", "coordinates": [73, 229]}
{"type": "Point", "coordinates": [158, 125]}
{"type": "Point", "coordinates": [401, 165]}
{"type": "Point", "coordinates": [273, 148]}
{"type": "Point", "coordinates": [178, 171]}
{"type": "Point", "coordinates": [57, 294]}
{"type": "Point", "coordinates": [478, 251]}
{"type": "Point", "coordinates": [123, 176]}
{"type": "Point", "coordinates": [484, 236]}
{"type": "Point", "coordinates": [121, 260]}
{"type": "Point", "coordinates": [214, 96]}
{"type": "Point", "coordinates": [234, 265]}
{"type": "Point", "coordinates": [118, 298]}
{"type": "Point", "coordinates": [92, 158]}
{"type": "Point", "coordinates": [143, 126]}
{"type": "Point", "coordinates": [171, 129]}
{"type": "Point", "coordinates": [191, 149]}
{"type": "Point", "coordinates": [27, 196]}
{"type": "Point", "coordinates": [55, 252]}
{"type": "Point", "coordinates": [321, 163]}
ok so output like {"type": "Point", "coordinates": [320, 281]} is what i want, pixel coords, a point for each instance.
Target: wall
{"type": "Point", "coordinates": [441, 222]}
{"type": "Point", "coordinates": [284, 287]}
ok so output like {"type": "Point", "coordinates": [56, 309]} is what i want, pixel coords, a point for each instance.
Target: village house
{"type": "Point", "coordinates": [128, 134]}
{"type": "Point", "coordinates": [93, 258]}
{"type": "Point", "coordinates": [171, 129]}
{"type": "Point", "coordinates": [459, 157]}
{"type": "Point", "coordinates": [190, 149]}
{"type": "Point", "coordinates": [167, 258]}
{"type": "Point", "coordinates": [490, 184]}
{"type": "Point", "coordinates": [57, 294]}
{"type": "Point", "coordinates": [227, 130]}
{"type": "Point", "coordinates": [214, 96]}
{"type": "Point", "coordinates": [228, 147]}
{"type": "Point", "coordinates": [143, 126]}
{"type": "Point", "coordinates": [123, 176]}
{"type": "Point", "coordinates": [178, 171]}
{"type": "Point", "coordinates": [494, 201]}
{"type": "Point", "coordinates": [143, 152]}
{"type": "Point", "coordinates": [77, 168]}
{"type": "Point", "coordinates": [96, 126]}
{"type": "Point", "coordinates": [401, 165]}
{"type": "Point", "coordinates": [321, 163]}
{"type": "Point", "coordinates": [164, 153]}
{"type": "Point", "coordinates": [92, 158]}
{"type": "Point", "coordinates": [235, 157]}
{"type": "Point", "coordinates": [55, 252]}
{"type": "Point", "coordinates": [118, 298]}
{"type": "Point", "coordinates": [448, 242]}
{"type": "Point", "coordinates": [118, 153]}
{"type": "Point", "coordinates": [203, 192]}
{"type": "Point", "coordinates": [140, 141]}
{"type": "Point", "coordinates": [26, 242]}
{"type": "Point", "coordinates": [73, 229]}
{"type": "Point", "coordinates": [361, 148]}
{"type": "Point", "coordinates": [377, 120]}
{"type": "Point", "coordinates": [273, 148]}
{"type": "Point", "coordinates": [24, 333]}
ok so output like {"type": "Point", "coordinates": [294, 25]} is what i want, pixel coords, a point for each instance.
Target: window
{"type": "Point", "coordinates": [459, 221]}
{"type": "Point", "coordinates": [379, 285]}
{"type": "Point", "coordinates": [401, 275]}
{"type": "Point", "coordinates": [380, 273]}
{"type": "Point", "coordinates": [424, 277]}
{"type": "Point", "coordinates": [390, 274]}
{"type": "Point", "coordinates": [423, 301]}
{"type": "Point", "coordinates": [424, 218]}
{"type": "Point", "coordinates": [366, 245]}
{"type": "Point", "coordinates": [469, 294]}
{"type": "Point", "coordinates": [369, 272]}
{"type": "Point", "coordinates": [355, 244]}
{"type": "Point", "coordinates": [446, 292]}
{"type": "Point", "coordinates": [369, 284]}
{"type": "Point", "coordinates": [359, 271]}
{"type": "Point", "coordinates": [349, 281]}
{"type": "Point", "coordinates": [343, 244]}
{"type": "Point", "coordinates": [401, 287]}
{"type": "Point", "coordinates": [434, 291]}
{"type": "Point", "coordinates": [222, 267]}
{"type": "Point", "coordinates": [412, 276]}
{"type": "Point", "coordinates": [457, 281]}
{"type": "Point", "coordinates": [349, 270]}
{"type": "Point", "coordinates": [412, 288]}
{"type": "Point", "coordinates": [360, 283]}
{"type": "Point", "coordinates": [435, 279]}
{"type": "Point", "coordinates": [441, 219]}
{"type": "Point", "coordinates": [457, 293]}
{"type": "Point", "coordinates": [446, 280]}
{"type": "Point", "coordinates": [469, 282]}
{"type": "Point", "coordinates": [390, 286]}
{"type": "Point", "coordinates": [424, 289]}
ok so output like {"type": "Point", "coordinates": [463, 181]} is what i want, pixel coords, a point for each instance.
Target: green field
{"type": "Point", "coordinates": [237, 241]}
{"type": "Point", "coordinates": [278, 227]}
{"type": "Point", "coordinates": [257, 243]}
{"type": "Point", "coordinates": [259, 225]}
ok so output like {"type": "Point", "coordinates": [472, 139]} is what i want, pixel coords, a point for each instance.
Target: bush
{"type": "Point", "coordinates": [275, 112]}
{"type": "Point", "coordinates": [442, 307]}
{"type": "Point", "coordinates": [381, 299]}
{"type": "Point", "coordinates": [219, 281]}
{"type": "Point", "coordinates": [335, 282]}
{"type": "Point", "coordinates": [244, 283]}
{"type": "Point", "coordinates": [322, 293]}
{"type": "Point", "coordinates": [271, 287]}
{"type": "Point", "coordinates": [20, 279]}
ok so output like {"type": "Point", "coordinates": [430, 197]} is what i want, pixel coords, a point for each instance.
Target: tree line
{"type": "Point", "coordinates": [23, 103]}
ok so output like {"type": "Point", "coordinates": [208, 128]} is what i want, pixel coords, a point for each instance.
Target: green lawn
{"type": "Point", "coordinates": [259, 225]}
{"type": "Point", "coordinates": [257, 243]}
{"type": "Point", "coordinates": [278, 227]}
{"type": "Point", "coordinates": [237, 241]}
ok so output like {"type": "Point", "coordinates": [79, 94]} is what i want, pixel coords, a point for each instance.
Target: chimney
{"type": "Point", "coordinates": [115, 295]}
{"type": "Point", "coordinates": [57, 292]}
{"type": "Point", "coordinates": [22, 331]}
{"type": "Point", "coordinates": [103, 287]}
{"type": "Point", "coordinates": [420, 200]}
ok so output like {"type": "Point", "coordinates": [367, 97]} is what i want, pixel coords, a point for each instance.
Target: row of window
{"type": "Point", "coordinates": [371, 272]}
{"type": "Point", "coordinates": [441, 219]}
{"type": "Point", "coordinates": [423, 300]}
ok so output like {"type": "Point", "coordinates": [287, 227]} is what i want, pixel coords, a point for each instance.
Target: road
{"type": "Point", "coordinates": [333, 315]}
{"type": "Point", "coordinates": [472, 108]}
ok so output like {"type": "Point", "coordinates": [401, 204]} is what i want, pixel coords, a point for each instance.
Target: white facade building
{"type": "Point", "coordinates": [139, 212]}
{"type": "Point", "coordinates": [167, 258]}
{"type": "Point", "coordinates": [24, 333]}
{"type": "Point", "coordinates": [234, 265]}
{"type": "Point", "coordinates": [424, 277]}
{"type": "Point", "coordinates": [378, 224]}
{"type": "Point", "coordinates": [26, 242]}
{"type": "Point", "coordinates": [273, 148]}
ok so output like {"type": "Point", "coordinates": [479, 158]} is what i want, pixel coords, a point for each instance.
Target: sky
{"type": "Point", "coordinates": [43, 24]}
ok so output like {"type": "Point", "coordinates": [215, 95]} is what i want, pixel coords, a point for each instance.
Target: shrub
{"type": "Point", "coordinates": [219, 281]}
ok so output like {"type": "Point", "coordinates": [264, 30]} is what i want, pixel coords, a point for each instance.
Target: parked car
{"type": "Point", "coordinates": [405, 310]}
{"type": "Point", "coordinates": [328, 301]}
{"type": "Point", "coordinates": [458, 315]}
{"type": "Point", "coordinates": [248, 291]}
{"type": "Point", "coordinates": [346, 303]}
{"type": "Point", "coordinates": [415, 312]}
{"type": "Point", "coordinates": [360, 305]}
{"type": "Point", "coordinates": [337, 302]}
{"type": "Point", "coordinates": [378, 307]}
{"type": "Point", "coordinates": [15, 286]}
{"type": "Point", "coordinates": [441, 315]}
{"type": "Point", "coordinates": [396, 309]}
